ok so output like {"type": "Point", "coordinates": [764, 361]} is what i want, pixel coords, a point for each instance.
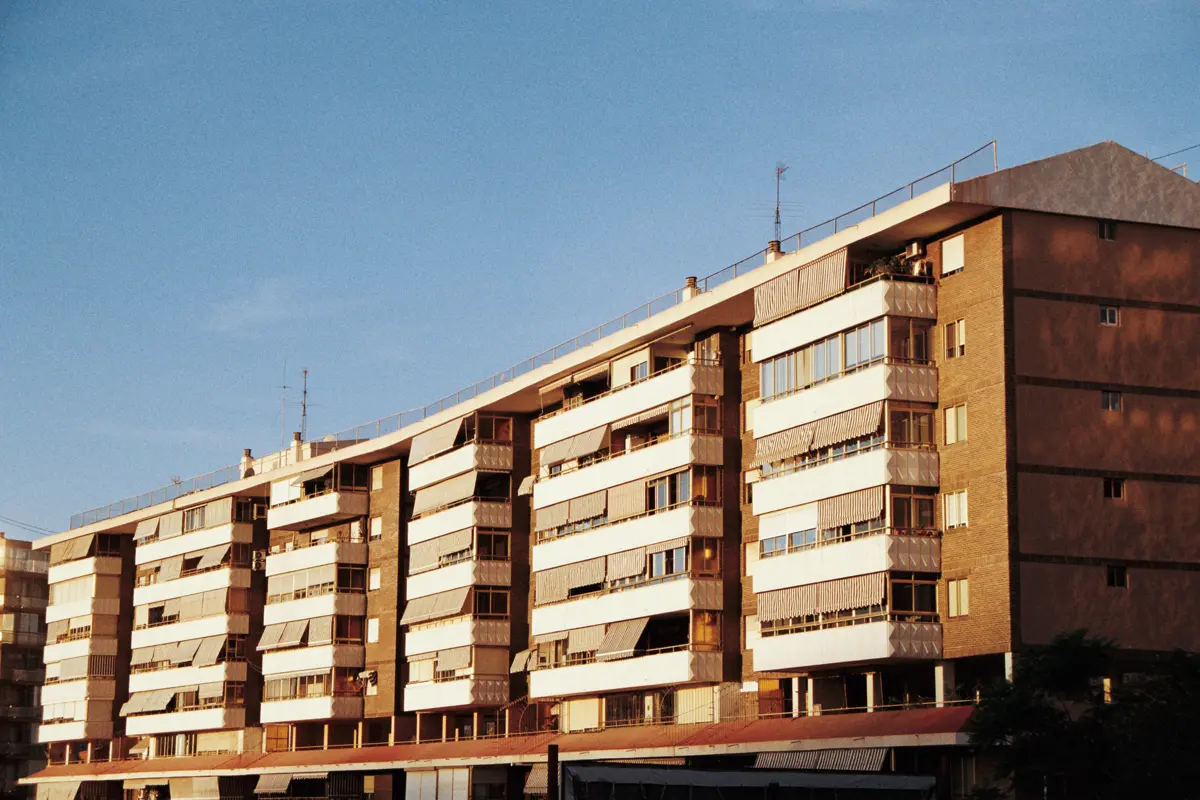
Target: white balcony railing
{"type": "Point", "coordinates": [869, 642]}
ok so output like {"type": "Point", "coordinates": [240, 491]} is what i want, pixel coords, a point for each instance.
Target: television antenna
{"type": "Point", "coordinates": [304, 409]}
{"type": "Point", "coordinates": [780, 168]}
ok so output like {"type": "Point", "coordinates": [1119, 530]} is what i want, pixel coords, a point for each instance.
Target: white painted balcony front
{"type": "Point", "coordinates": [679, 594]}
{"type": "Point", "coordinates": [657, 669]}
{"type": "Point", "coordinates": [456, 632]}
{"type": "Point", "coordinates": [473, 513]}
{"type": "Point", "coordinates": [317, 659]}
{"type": "Point", "coordinates": [471, 572]}
{"type": "Point", "coordinates": [303, 709]}
{"type": "Point", "coordinates": [325, 605]}
{"type": "Point", "coordinates": [223, 578]}
{"type": "Point", "coordinates": [862, 471]}
{"type": "Point", "coordinates": [97, 565]}
{"type": "Point", "coordinates": [316, 556]}
{"type": "Point", "coordinates": [869, 642]}
{"type": "Point", "coordinates": [187, 676]}
{"type": "Point", "coordinates": [859, 305]}
{"type": "Point", "coordinates": [77, 730]}
{"type": "Point", "coordinates": [675, 453]}
{"type": "Point", "coordinates": [82, 608]}
{"type": "Point", "coordinates": [464, 692]}
{"type": "Point", "coordinates": [323, 509]}
{"type": "Point", "coordinates": [229, 533]}
{"type": "Point", "coordinates": [661, 388]}
{"type": "Point", "coordinates": [886, 380]}
{"type": "Point", "coordinates": [469, 457]}
{"type": "Point", "coordinates": [74, 648]}
{"type": "Point", "coordinates": [192, 629]}
{"type": "Point", "coordinates": [879, 552]}
{"type": "Point", "coordinates": [81, 689]}
{"type": "Point", "coordinates": [683, 520]}
{"type": "Point", "coordinates": [202, 719]}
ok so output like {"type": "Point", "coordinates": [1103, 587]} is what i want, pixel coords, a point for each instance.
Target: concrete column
{"type": "Point", "coordinates": [795, 697]}
{"type": "Point", "coordinates": [507, 721]}
{"type": "Point", "coordinates": [418, 737]}
{"type": "Point", "coordinates": [871, 678]}
{"type": "Point", "coordinates": [325, 736]}
{"type": "Point", "coordinates": [943, 682]}
{"type": "Point", "coordinates": [475, 725]}
{"type": "Point", "coordinates": [444, 726]}
{"type": "Point", "coordinates": [358, 734]}
{"type": "Point", "coordinates": [808, 698]}
{"type": "Point", "coordinates": [1009, 660]}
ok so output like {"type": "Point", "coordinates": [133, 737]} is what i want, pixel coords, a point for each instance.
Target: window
{"type": "Point", "coordinates": [193, 519]}
{"type": "Point", "coordinates": [375, 579]}
{"type": "Point", "coordinates": [376, 532]}
{"type": "Point", "coordinates": [953, 255]}
{"type": "Point", "coordinates": [908, 340]}
{"type": "Point", "coordinates": [865, 345]}
{"type": "Point", "coordinates": [1110, 316]}
{"type": "Point", "coordinates": [639, 372]}
{"type": "Point", "coordinates": [665, 492]}
{"type": "Point", "coordinates": [1110, 401]}
{"type": "Point", "coordinates": [959, 592]}
{"type": "Point", "coordinates": [1106, 230]}
{"type": "Point", "coordinates": [1117, 577]}
{"type": "Point", "coordinates": [955, 509]}
{"type": "Point", "coordinates": [348, 630]}
{"type": "Point", "coordinates": [912, 507]}
{"type": "Point", "coordinates": [373, 629]}
{"type": "Point", "coordinates": [376, 478]}
{"type": "Point", "coordinates": [909, 427]}
{"type": "Point", "coordinates": [351, 580]}
{"type": "Point", "coordinates": [491, 601]}
{"type": "Point", "coordinates": [668, 562]}
{"type": "Point", "coordinates": [491, 546]}
{"type": "Point", "coordinates": [278, 737]}
{"type": "Point", "coordinates": [708, 556]}
{"type": "Point", "coordinates": [914, 595]}
{"type": "Point", "coordinates": [956, 424]}
{"type": "Point", "coordinates": [706, 630]}
{"type": "Point", "coordinates": [1114, 488]}
{"type": "Point", "coordinates": [956, 339]}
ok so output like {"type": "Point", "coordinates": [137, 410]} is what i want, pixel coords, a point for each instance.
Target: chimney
{"type": "Point", "coordinates": [245, 464]}
{"type": "Point", "coordinates": [296, 447]}
{"type": "Point", "coordinates": [773, 250]}
{"type": "Point", "coordinates": [690, 289]}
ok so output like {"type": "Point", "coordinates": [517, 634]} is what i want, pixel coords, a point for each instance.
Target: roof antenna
{"type": "Point", "coordinates": [283, 410]}
{"type": "Point", "coordinates": [304, 409]}
{"type": "Point", "coordinates": [780, 168]}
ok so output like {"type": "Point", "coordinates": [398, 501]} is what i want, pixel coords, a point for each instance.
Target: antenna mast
{"type": "Point", "coordinates": [304, 409]}
{"type": "Point", "coordinates": [780, 168]}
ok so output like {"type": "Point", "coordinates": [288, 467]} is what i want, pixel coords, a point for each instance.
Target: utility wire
{"type": "Point", "coordinates": [1177, 152]}
{"type": "Point", "coordinates": [26, 526]}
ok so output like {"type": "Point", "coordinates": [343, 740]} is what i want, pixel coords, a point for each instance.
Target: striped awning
{"type": "Point", "coordinates": [626, 564]}
{"type": "Point", "coordinates": [802, 287]}
{"type": "Point", "coordinates": [430, 656]}
{"type": "Point", "coordinates": [621, 639]}
{"type": "Point", "coordinates": [269, 639]}
{"type": "Point", "coordinates": [627, 500]}
{"type": "Point", "coordinates": [585, 573]}
{"type": "Point", "coordinates": [170, 568]}
{"type": "Point", "coordinates": [445, 493]}
{"type": "Point", "coordinates": [853, 424]}
{"type": "Point", "coordinates": [846, 509]}
{"type": "Point", "coordinates": [795, 601]}
{"type": "Point", "coordinates": [658, 412]}
{"type": "Point", "coordinates": [579, 445]}
{"type": "Point", "coordinates": [170, 525]}
{"type": "Point", "coordinates": [550, 586]}
{"type": "Point", "coordinates": [293, 633]}
{"type": "Point", "coordinates": [142, 655]}
{"type": "Point", "coordinates": [585, 640]}
{"type": "Point", "coordinates": [670, 544]}
{"type": "Point", "coordinates": [860, 591]}
{"type": "Point", "coordinates": [455, 658]}
{"type": "Point", "coordinates": [538, 779]}
{"type": "Point", "coordinates": [520, 662]}
{"type": "Point", "coordinates": [785, 444]}
{"type": "Point", "coordinates": [434, 441]}
{"type": "Point", "coordinates": [135, 703]}
{"type": "Point", "coordinates": [436, 606]}
{"type": "Point", "coordinates": [274, 783]}
{"type": "Point", "coordinates": [858, 759]}
{"type": "Point", "coordinates": [320, 631]}
{"type": "Point", "coordinates": [208, 691]}
{"type": "Point", "coordinates": [311, 475]}
{"type": "Point", "coordinates": [587, 507]}
{"type": "Point", "coordinates": [213, 556]}
{"type": "Point", "coordinates": [185, 651]}
{"type": "Point", "coordinates": [551, 517]}
{"type": "Point", "coordinates": [594, 371]}
{"type": "Point", "coordinates": [145, 529]}
{"type": "Point", "coordinates": [209, 651]}
{"type": "Point", "coordinates": [547, 638]}
{"type": "Point", "coordinates": [526, 487]}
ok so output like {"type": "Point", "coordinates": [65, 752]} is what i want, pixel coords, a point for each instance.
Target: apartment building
{"type": "Point", "coordinates": [793, 515]}
{"type": "Point", "coordinates": [23, 596]}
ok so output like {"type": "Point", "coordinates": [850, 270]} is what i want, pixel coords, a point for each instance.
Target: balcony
{"type": "Point", "coordinates": [316, 510]}
{"type": "Point", "coordinates": [304, 709]}
{"type": "Point", "coordinates": [72, 691]}
{"type": "Point", "coordinates": [881, 551]}
{"type": "Point", "coordinates": [656, 669]}
{"type": "Point", "coordinates": [475, 513]}
{"type": "Point", "coordinates": [666, 454]}
{"type": "Point", "coordinates": [470, 572]}
{"type": "Point", "coordinates": [201, 719]}
{"type": "Point", "coordinates": [191, 629]}
{"type": "Point", "coordinates": [316, 658]}
{"type": "Point", "coordinates": [222, 577]}
{"type": "Point", "coordinates": [468, 458]}
{"type": "Point", "coordinates": [683, 520]}
{"type": "Point", "coordinates": [229, 533]}
{"type": "Point", "coordinates": [82, 608]}
{"type": "Point", "coordinates": [868, 642]}
{"type": "Point", "coordinates": [890, 379]}
{"type": "Point", "coordinates": [326, 605]}
{"type": "Point", "coordinates": [187, 676]}
{"type": "Point", "coordinates": [885, 465]}
{"type": "Point", "coordinates": [77, 730]}
{"type": "Point", "coordinates": [632, 398]}
{"type": "Point", "coordinates": [679, 593]}
{"type": "Point", "coordinates": [96, 565]}
{"type": "Point", "coordinates": [335, 552]}
{"type": "Point", "coordinates": [14, 602]}
{"type": "Point", "coordinates": [459, 693]}
{"type": "Point", "coordinates": [74, 648]}
{"type": "Point", "coordinates": [456, 632]}
{"type": "Point", "coordinates": [870, 301]}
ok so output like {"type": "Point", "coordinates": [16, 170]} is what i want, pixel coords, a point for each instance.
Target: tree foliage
{"type": "Point", "coordinates": [1053, 734]}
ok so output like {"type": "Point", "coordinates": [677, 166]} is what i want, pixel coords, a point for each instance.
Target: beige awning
{"type": "Point", "coordinates": [145, 529]}
{"type": "Point", "coordinates": [213, 602]}
{"type": "Point", "coordinates": [434, 442]}
{"type": "Point", "coordinates": [311, 475]}
{"type": "Point", "coordinates": [163, 653]}
{"type": "Point", "coordinates": [170, 568]}
{"type": "Point", "coordinates": [209, 651]}
{"type": "Point", "coordinates": [585, 573]}
{"type": "Point", "coordinates": [785, 444]}
{"type": "Point", "coordinates": [649, 415]}
{"type": "Point", "coordinates": [213, 556]}
{"type": "Point", "coordinates": [142, 745]}
{"type": "Point", "coordinates": [627, 500]}
{"type": "Point", "coordinates": [81, 546]}
{"type": "Point", "coordinates": [142, 655]}
{"type": "Point", "coordinates": [67, 790]}
{"type": "Point", "coordinates": [860, 591]}
{"type": "Point", "coordinates": [594, 371]}
{"type": "Point", "coordinates": [320, 631]}
{"type": "Point", "coordinates": [802, 287]}
{"type": "Point", "coordinates": [575, 447]}
{"type": "Point", "coordinates": [159, 700]}
{"type": "Point", "coordinates": [520, 662]}
{"type": "Point", "coordinates": [551, 517]}
{"type": "Point", "coordinates": [270, 636]}
{"type": "Point", "coordinates": [847, 509]}
{"type": "Point", "coordinates": [795, 601]}
{"type": "Point", "coordinates": [670, 544]}
{"type": "Point", "coordinates": [853, 424]}
{"type": "Point", "coordinates": [550, 586]}
{"type": "Point", "coordinates": [430, 656]}
{"type": "Point", "coordinates": [526, 487]}
{"type": "Point", "coordinates": [621, 639]}
{"type": "Point", "coordinates": [547, 638]}
{"type": "Point", "coordinates": [273, 783]}
{"type": "Point", "coordinates": [135, 703]}
{"type": "Point", "coordinates": [293, 634]}
{"type": "Point", "coordinates": [172, 607]}
{"type": "Point", "coordinates": [455, 658]}
{"type": "Point", "coordinates": [185, 651]}
{"type": "Point", "coordinates": [626, 564]}
{"type": "Point", "coordinates": [555, 385]}
{"type": "Point", "coordinates": [170, 526]}
{"type": "Point", "coordinates": [436, 606]}
{"type": "Point", "coordinates": [439, 495]}
{"type": "Point", "coordinates": [538, 779]}
{"type": "Point", "coordinates": [585, 640]}
{"type": "Point", "coordinates": [587, 507]}
{"type": "Point", "coordinates": [208, 691]}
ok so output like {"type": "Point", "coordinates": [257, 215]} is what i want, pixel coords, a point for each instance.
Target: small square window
{"type": "Point", "coordinates": [1110, 316]}
{"type": "Point", "coordinates": [376, 531]}
{"type": "Point", "coordinates": [1110, 400]}
{"type": "Point", "coordinates": [953, 255]}
{"type": "Point", "coordinates": [373, 629]}
{"type": "Point", "coordinates": [1114, 488]}
{"type": "Point", "coordinates": [956, 339]}
{"type": "Point", "coordinates": [1117, 577]}
{"type": "Point", "coordinates": [374, 579]}
{"type": "Point", "coordinates": [376, 478]}
{"type": "Point", "coordinates": [959, 594]}
{"type": "Point", "coordinates": [1106, 230]}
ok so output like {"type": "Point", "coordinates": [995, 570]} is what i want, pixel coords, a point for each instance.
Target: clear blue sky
{"type": "Point", "coordinates": [407, 197]}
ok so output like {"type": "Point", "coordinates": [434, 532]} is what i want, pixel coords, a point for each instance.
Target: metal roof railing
{"type": "Point", "coordinates": [978, 162]}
